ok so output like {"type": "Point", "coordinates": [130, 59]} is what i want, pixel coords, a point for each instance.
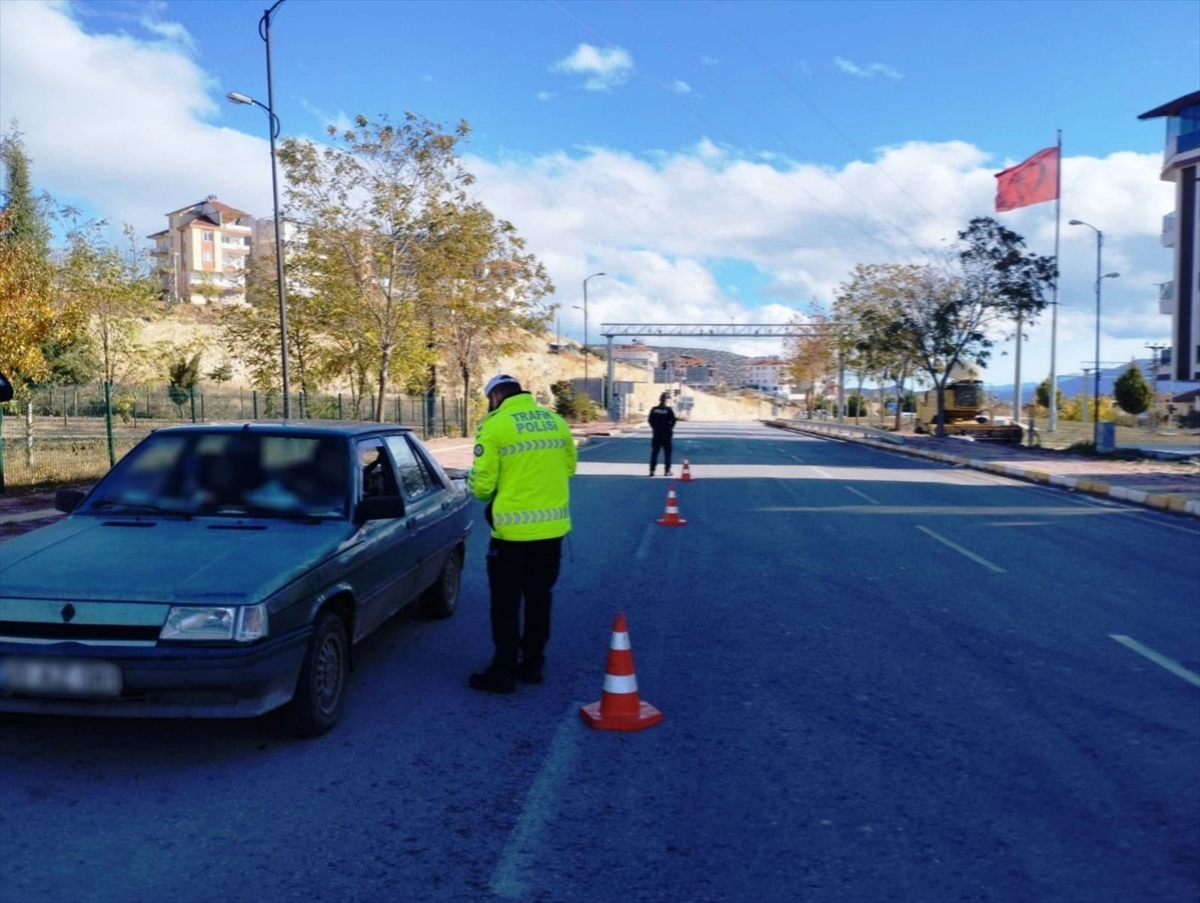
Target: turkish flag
{"type": "Point", "coordinates": [1031, 182]}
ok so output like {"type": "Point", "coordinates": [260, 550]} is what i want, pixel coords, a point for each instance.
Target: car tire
{"type": "Point", "coordinates": [321, 687]}
{"type": "Point", "coordinates": [441, 599]}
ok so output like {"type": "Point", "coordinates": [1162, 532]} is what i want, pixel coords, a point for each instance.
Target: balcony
{"type": "Point", "coordinates": [1168, 231]}
{"type": "Point", "coordinates": [1166, 297]}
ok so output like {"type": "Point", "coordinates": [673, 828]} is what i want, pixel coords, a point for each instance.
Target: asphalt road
{"type": "Point", "coordinates": [883, 679]}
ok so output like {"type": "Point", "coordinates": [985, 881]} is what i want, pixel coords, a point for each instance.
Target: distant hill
{"type": "Point", "coordinates": [726, 364]}
{"type": "Point", "coordinates": [1072, 385]}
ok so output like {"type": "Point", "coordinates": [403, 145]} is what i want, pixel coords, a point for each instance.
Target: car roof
{"type": "Point", "coordinates": [348, 428]}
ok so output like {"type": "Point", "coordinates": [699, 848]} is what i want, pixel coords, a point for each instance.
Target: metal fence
{"type": "Point", "coordinates": [76, 433]}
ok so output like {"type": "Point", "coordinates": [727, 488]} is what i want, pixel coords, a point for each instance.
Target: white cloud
{"type": "Point", "coordinates": [340, 120]}
{"type": "Point", "coordinates": [681, 87]}
{"type": "Point", "coordinates": [868, 71]}
{"type": "Point", "coordinates": [70, 92]}
{"type": "Point", "coordinates": [604, 68]}
{"type": "Point", "coordinates": [709, 60]}
{"type": "Point", "coordinates": [673, 231]}
{"type": "Point", "coordinates": [544, 95]}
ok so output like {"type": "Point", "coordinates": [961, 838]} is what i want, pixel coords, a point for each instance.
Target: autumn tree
{"type": "Point", "coordinates": [956, 307]}
{"type": "Point", "coordinates": [27, 301]}
{"type": "Point", "coordinates": [870, 307]}
{"type": "Point", "coordinates": [113, 288]}
{"type": "Point", "coordinates": [481, 290]}
{"type": "Point", "coordinates": [367, 202]}
{"type": "Point", "coordinates": [812, 356]}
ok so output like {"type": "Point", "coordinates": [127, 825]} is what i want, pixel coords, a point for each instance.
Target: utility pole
{"type": "Point", "coordinates": [1156, 350]}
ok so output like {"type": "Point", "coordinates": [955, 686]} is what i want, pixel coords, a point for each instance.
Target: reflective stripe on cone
{"type": "Point", "coordinates": [620, 708]}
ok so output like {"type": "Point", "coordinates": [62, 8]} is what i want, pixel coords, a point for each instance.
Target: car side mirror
{"type": "Point", "coordinates": [67, 500]}
{"type": "Point", "coordinates": [379, 508]}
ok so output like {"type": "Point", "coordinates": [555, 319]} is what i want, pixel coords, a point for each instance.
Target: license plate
{"type": "Point", "coordinates": [58, 677]}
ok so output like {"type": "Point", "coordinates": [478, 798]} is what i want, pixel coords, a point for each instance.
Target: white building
{"type": "Point", "coordinates": [1181, 231]}
{"type": "Point", "coordinates": [201, 255]}
{"type": "Point", "coordinates": [636, 355]}
{"type": "Point", "coordinates": [767, 374]}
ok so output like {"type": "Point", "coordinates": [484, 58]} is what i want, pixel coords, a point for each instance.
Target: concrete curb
{"type": "Point", "coordinates": [1090, 486]}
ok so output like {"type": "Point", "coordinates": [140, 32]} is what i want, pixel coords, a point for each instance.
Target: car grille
{"type": "Point", "coordinates": [27, 630]}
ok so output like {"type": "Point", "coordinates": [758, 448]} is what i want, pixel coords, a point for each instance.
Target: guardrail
{"type": "Point", "coordinates": [849, 430]}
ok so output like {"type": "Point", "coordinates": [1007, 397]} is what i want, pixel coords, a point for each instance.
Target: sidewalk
{"type": "Point", "coordinates": [20, 513]}
{"type": "Point", "coordinates": [1166, 485]}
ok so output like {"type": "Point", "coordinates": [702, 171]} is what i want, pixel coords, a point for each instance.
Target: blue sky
{"type": "Point", "coordinates": [717, 160]}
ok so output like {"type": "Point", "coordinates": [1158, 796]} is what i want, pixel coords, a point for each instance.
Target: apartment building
{"type": "Point", "coordinates": [767, 374]}
{"type": "Point", "coordinates": [636, 355]}
{"type": "Point", "coordinates": [1180, 298]}
{"type": "Point", "coordinates": [201, 255]}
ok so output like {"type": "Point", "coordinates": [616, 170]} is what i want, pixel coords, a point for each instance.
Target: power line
{"type": "Point", "coordinates": [774, 70]}
{"type": "Point", "coordinates": [721, 131]}
{"type": "Point", "coordinates": [882, 219]}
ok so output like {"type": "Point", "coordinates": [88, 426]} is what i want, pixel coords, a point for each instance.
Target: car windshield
{"type": "Point", "coordinates": [229, 473]}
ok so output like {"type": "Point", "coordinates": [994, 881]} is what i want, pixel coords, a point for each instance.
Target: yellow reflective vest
{"type": "Point", "coordinates": [524, 458]}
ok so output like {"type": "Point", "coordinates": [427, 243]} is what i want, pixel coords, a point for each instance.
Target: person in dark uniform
{"type": "Point", "coordinates": [662, 425]}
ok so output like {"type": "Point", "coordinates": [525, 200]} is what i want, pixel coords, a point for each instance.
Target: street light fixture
{"type": "Point", "coordinates": [586, 384]}
{"type": "Point", "coordinates": [264, 32]}
{"type": "Point", "coordinates": [1099, 281]}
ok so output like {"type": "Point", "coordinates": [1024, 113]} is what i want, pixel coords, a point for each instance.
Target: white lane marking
{"type": "Point", "coordinates": [861, 495]}
{"type": "Point", "coordinates": [521, 856]}
{"type": "Point", "coordinates": [819, 472]}
{"type": "Point", "coordinates": [1017, 523]}
{"type": "Point", "coordinates": [1161, 660]}
{"type": "Point", "coordinates": [643, 549]}
{"type": "Point", "coordinates": [956, 547]}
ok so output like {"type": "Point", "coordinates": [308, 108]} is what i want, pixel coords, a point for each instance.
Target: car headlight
{"type": "Point", "coordinates": [194, 622]}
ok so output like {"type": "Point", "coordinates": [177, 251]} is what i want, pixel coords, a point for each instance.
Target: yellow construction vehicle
{"type": "Point", "coordinates": [966, 411]}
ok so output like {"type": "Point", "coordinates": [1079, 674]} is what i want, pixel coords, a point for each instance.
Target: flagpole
{"type": "Point", "coordinates": [1052, 425]}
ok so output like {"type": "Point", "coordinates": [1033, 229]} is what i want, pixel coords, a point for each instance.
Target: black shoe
{"type": "Point", "coordinates": [493, 680]}
{"type": "Point", "coordinates": [667, 472]}
{"type": "Point", "coordinates": [652, 473]}
{"type": "Point", "coordinates": [531, 672]}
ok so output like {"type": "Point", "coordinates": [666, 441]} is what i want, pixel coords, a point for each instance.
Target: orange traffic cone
{"type": "Point", "coordinates": [671, 517]}
{"type": "Point", "coordinates": [620, 708]}
{"type": "Point", "coordinates": [686, 476]}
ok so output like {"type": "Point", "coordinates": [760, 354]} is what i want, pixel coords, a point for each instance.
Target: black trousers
{"type": "Point", "coordinates": [664, 443]}
{"type": "Point", "coordinates": [519, 570]}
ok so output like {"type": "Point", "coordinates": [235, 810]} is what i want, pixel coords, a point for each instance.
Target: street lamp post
{"type": "Point", "coordinates": [586, 385]}
{"type": "Point", "coordinates": [1099, 280]}
{"type": "Point", "coordinates": [264, 32]}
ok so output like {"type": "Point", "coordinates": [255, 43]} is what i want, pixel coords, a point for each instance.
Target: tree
{"type": "Point", "coordinates": [870, 307]}
{"type": "Point", "coordinates": [183, 376]}
{"type": "Point", "coordinates": [367, 203]}
{"type": "Point", "coordinates": [26, 221]}
{"type": "Point", "coordinates": [113, 290]}
{"type": "Point", "coordinates": [811, 357]}
{"type": "Point", "coordinates": [222, 373]}
{"type": "Point", "coordinates": [954, 310]}
{"type": "Point", "coordinates": [480, 291]}
{"type": "Point", "coordinates": [26, 309]}
{"type": "Point", "coordinates": [1042, 396]}
{"type": "Point", "coordinates": [1131, 391]}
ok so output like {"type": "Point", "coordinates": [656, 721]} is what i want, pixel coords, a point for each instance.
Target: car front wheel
{"type": "Point", "coordinates": [321, 689]}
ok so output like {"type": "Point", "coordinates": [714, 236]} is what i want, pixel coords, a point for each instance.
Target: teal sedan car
{"type": "Point", "coordinates": [227, 570]}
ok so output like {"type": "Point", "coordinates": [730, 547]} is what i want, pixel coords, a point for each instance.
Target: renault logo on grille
{"type": "Point", "coordinates": [68, 612]}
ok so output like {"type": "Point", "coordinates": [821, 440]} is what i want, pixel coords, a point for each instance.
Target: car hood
{"type": "Point", "coordinates": [212, 560]}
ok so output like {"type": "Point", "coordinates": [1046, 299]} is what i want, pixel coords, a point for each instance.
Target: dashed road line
{"type": "Point", "coordinates": [1158, 658]}
{"type": "Point", "coordinates": [978, 559]}
{"type": "Point", "coordinates": [861, 495]}
{"type": "Point", "coordinates": [521, 858]}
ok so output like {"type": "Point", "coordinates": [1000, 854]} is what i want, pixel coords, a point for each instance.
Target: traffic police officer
{"type": "Point", "coordinates": [524, 458]}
